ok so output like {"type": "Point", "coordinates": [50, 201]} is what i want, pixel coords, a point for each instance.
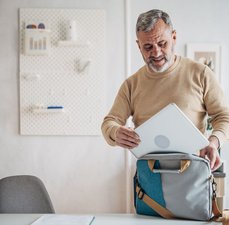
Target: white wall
{"type": "Point", "coordinates": [84, 174]}
{"type": "Point", "coordinates": [81, 173]}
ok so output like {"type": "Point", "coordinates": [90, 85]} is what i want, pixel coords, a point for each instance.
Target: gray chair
{"type": "Point", "coordinates": [24, 194]}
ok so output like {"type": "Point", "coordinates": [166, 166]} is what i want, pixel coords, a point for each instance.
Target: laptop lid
{"type": "Point", "coordinates": [169, 130]}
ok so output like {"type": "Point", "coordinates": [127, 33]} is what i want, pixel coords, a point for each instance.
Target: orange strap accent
{"type": "Point", "coordinates": [154, 205]}
{"type": "Point", "coordinates": [218, 216]}
{"type": "Point", "coordinates": [184, 164]}
{"type": "Point", "coordinates": [151, 163]}
{"type": "Point", "coordinates": [215, 209]}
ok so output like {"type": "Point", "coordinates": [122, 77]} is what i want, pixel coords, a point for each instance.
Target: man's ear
{"type": "Point", "coordinates": [174, 35]}
{"type": "Point", "coordinates": [137, 41]}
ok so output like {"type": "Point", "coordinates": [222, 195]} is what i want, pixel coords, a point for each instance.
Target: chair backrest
{"type": "Point", "coordinates": [24, 194]}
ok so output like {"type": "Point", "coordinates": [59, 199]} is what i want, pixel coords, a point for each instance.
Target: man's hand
{"type": "Point", "coordinates": [127, 137]}
{"type": "Point", "coordinates": [211, 152]}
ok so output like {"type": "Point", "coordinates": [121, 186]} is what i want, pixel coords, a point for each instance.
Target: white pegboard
{"type": "Point", "coordinates": [71, 75]}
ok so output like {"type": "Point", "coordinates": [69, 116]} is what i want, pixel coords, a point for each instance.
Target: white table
{"type": "Point", "coordinates": [104, 219]}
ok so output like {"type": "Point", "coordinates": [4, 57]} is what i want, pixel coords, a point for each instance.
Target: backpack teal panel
{"type": "Point", "coordinates": [153, 188]}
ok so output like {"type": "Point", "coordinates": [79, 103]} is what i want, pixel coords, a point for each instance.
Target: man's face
{"type": "Point", "coordinates": [157, 46]}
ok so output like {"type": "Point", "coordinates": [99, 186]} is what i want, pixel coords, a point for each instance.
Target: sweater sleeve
{"type": "Point", "coordinates": [118, 114]}
{"type": "Point", "coordinates": [216, 106]}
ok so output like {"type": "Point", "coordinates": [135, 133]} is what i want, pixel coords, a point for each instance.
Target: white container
{"type": "Point", "coordinates": [72, 30]}
{"type": "Point", "coordinates": [37, 42]}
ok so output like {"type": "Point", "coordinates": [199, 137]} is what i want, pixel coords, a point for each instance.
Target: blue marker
{"type": "Point", "coordinates": [55, 107]}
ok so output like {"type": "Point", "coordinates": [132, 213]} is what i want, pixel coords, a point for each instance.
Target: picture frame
{"type": "Point", "coordinates": [206, 53]}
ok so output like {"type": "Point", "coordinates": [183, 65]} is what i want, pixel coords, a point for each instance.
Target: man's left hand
{"type": "Point", "coordinates": [211, 152]}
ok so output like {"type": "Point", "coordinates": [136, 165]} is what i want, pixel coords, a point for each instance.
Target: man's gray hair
{"type": "Point", "coordinates": [147, 20]}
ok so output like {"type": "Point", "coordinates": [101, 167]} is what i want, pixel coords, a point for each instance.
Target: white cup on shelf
{"type": "Point", "coordinates": [72, 30]}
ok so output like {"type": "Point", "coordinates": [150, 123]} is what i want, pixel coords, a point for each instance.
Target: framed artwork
{"type": "Point", "coordinates": [208, 54]}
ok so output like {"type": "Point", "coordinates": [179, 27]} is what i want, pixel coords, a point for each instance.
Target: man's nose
{"type": "Point", "coordinates": [156, 51]}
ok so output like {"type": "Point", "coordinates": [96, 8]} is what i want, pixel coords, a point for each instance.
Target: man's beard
{"type": "Point", "coordinates": [168, 62]}
{"type": "Point", "coordinates": [159, 69]}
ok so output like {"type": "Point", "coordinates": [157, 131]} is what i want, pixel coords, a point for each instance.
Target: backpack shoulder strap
{"type": "Point", "coordinates": [165, 213]}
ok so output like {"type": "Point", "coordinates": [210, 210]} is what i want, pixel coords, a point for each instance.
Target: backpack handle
{"type": "Point", "coordinates": [184, 164]}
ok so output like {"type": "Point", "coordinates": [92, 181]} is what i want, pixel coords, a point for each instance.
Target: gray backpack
{"type": "Point", "coordinates": [175, 185]}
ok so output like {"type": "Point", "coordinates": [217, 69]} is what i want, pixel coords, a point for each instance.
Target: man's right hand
{"type": "Point", "coordinates": [127, 137]}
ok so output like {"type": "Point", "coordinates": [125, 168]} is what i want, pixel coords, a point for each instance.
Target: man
{"type": "Point", "coordinates": [167, 78]}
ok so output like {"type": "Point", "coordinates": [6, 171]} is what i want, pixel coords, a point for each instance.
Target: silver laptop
{"type": "Point", "coordinates": [170, 130]}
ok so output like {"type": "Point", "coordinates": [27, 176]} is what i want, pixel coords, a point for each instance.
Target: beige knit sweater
{"type": "Point", "coordinates": [192, 86]}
